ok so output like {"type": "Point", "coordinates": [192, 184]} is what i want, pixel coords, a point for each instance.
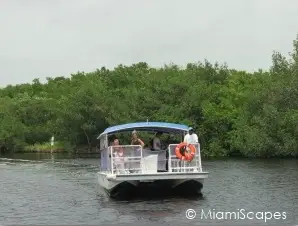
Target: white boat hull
{"type": "Point", "coordinates": [124, 186]}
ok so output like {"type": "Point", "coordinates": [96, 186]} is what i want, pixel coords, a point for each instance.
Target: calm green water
{"type": "Point", "coordinates": [53, 189]}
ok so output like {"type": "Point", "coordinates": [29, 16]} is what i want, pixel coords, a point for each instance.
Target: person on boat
{"type": "Point", "coordinates": [118, 153]}
{"type": "Point", "coordinates": [191, 137]}
{"type": "Point", "coordinates": [116, 143]}
{"type": "Point", "coordinates": [156, 142]}
{"type": "Point", "coordinates": [135, 140]}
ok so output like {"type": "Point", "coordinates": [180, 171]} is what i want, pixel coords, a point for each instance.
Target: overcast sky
{"type": "Point", "coordinates": [49, 38]}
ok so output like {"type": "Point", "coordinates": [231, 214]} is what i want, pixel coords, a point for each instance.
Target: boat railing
{"type": "Point", "coordinates": [133, 159]}
{"type": "Point", "coordinates": [126, 159]}
{"type": "Point", "coordinates": [176, 165]}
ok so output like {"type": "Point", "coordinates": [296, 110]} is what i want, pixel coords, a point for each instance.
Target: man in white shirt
{"type": "Point", "coordinates": [191, 137]}
{"type": "Point", "coordinates": [156, 142]}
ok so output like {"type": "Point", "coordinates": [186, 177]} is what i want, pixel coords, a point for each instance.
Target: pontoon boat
{"type": "Point", "coordinates": [138, 168]}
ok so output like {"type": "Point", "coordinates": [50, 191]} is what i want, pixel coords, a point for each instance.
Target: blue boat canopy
{"type": "Point", "coordinates": [164, 127]}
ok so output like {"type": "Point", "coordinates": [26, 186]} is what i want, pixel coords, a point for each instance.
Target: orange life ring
{"type": "Point", "coordinates": [186, 156]}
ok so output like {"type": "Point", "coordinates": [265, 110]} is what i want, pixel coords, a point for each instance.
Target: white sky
{"type": "Point", "coordinates": [50, 38]}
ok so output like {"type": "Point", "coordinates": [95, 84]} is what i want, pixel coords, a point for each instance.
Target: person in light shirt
{"type": "Point", "coordinates": [119, 159]}
{"type": "Point", "coordinates": [191, 137]}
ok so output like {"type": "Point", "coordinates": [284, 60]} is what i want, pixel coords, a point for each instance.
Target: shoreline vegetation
{"type": "Point", "coordinates": [58, 147]}
{"type": "Point", "coordinates": [45, 147]}
{"type": "Point", "coordinates": [234, 113]}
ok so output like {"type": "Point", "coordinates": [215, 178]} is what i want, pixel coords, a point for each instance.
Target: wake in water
{"type": "Point", "coordinates": [10, 160]}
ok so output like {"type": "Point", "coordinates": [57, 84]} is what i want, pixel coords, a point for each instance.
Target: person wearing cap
{"type": "Point", "coordinates": [191, 137]}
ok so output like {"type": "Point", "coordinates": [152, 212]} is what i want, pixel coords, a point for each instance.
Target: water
{"type": "Point", "coordinates": [57, 190]}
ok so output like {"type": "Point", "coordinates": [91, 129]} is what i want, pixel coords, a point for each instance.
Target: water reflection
{"type": "Point", "coordinates": [56, 189]}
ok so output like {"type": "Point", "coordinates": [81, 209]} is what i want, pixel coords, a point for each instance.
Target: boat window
{"type": "Point", "coordinates": [103, 142]}
{"type": "Point", "coordinates": [104, 160]}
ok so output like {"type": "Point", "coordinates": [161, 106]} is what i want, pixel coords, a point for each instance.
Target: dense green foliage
{"type": "Point", "coordinates": [233, 112]}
